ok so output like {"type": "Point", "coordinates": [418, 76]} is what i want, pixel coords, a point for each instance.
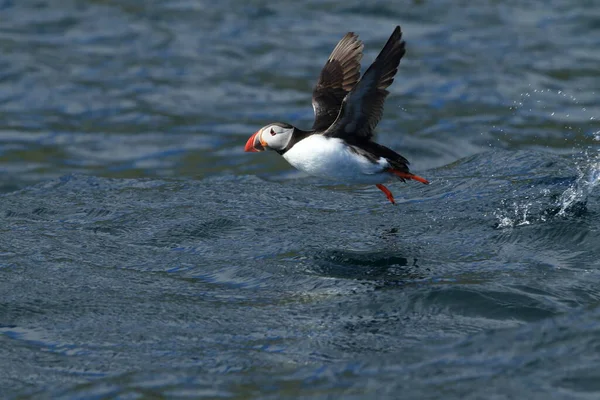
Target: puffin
{"type": "Point", "coordinates": [347, 108]}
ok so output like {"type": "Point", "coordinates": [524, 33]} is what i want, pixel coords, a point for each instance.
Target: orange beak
{"type": "Point", "coordinates": [255, 143]}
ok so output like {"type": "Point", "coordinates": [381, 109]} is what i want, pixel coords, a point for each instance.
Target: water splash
{"type": "Point", "coordinates": [589, 177]}
{"type": "Point", "coordinates": [572, 113]}
{"type": "Point", "coordinates": [571, 202]}
{"type": "Point", "coordinates": [575, 116]}
{"type": "Point", "coordinates": [513, 215]}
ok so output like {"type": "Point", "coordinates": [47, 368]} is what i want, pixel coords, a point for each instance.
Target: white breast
{"type": "Point", "coordinates": [330, 158]}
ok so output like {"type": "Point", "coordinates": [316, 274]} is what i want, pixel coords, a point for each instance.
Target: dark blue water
{"type": "Point", "coordinates": [144, 255]}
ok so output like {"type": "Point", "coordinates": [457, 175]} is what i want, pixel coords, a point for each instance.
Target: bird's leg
{"type": "Point", "coordinates": [408, 175]}
{"type": "Point", "coordinates": [387, 192]}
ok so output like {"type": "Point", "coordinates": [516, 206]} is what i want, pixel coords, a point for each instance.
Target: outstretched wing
{"type": "Point", "coordinates": [363, 107]}
{"type": "Point", "coordinates": [338, 77]}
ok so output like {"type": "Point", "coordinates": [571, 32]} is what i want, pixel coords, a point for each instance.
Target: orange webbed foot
{"type": "Point", "coordinates": [387, 192]}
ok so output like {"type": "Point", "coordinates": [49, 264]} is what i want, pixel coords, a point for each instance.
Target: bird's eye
{"type": "Point", "coordinates": [272, 132]}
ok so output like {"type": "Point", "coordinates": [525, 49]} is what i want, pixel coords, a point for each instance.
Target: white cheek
{"type": "Point", "coordinates": [278, 141]}
{"type": "Point", "coordinates": [283, 140]}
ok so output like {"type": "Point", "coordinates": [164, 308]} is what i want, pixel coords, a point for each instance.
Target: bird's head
{"type": "Point", "coordinates": [275, 136]}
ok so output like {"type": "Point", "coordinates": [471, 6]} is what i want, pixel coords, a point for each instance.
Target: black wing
{"type": "Point", "coordinates": [338, 77]}
{"type": "Point", "coordinates": [363, 107]}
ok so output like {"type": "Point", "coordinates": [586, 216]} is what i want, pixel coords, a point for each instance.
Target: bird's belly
{"type": "Point", "coordinates": [330, 158]}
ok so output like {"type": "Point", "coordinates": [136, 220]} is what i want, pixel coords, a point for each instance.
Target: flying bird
{"type": "Point", "coordinates": [347, 108]}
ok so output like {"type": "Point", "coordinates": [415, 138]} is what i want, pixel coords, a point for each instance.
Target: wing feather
{"type": "Point", "coordinates": [362, 108]}
{"type": "Point", "coordinates": [337, 78]}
